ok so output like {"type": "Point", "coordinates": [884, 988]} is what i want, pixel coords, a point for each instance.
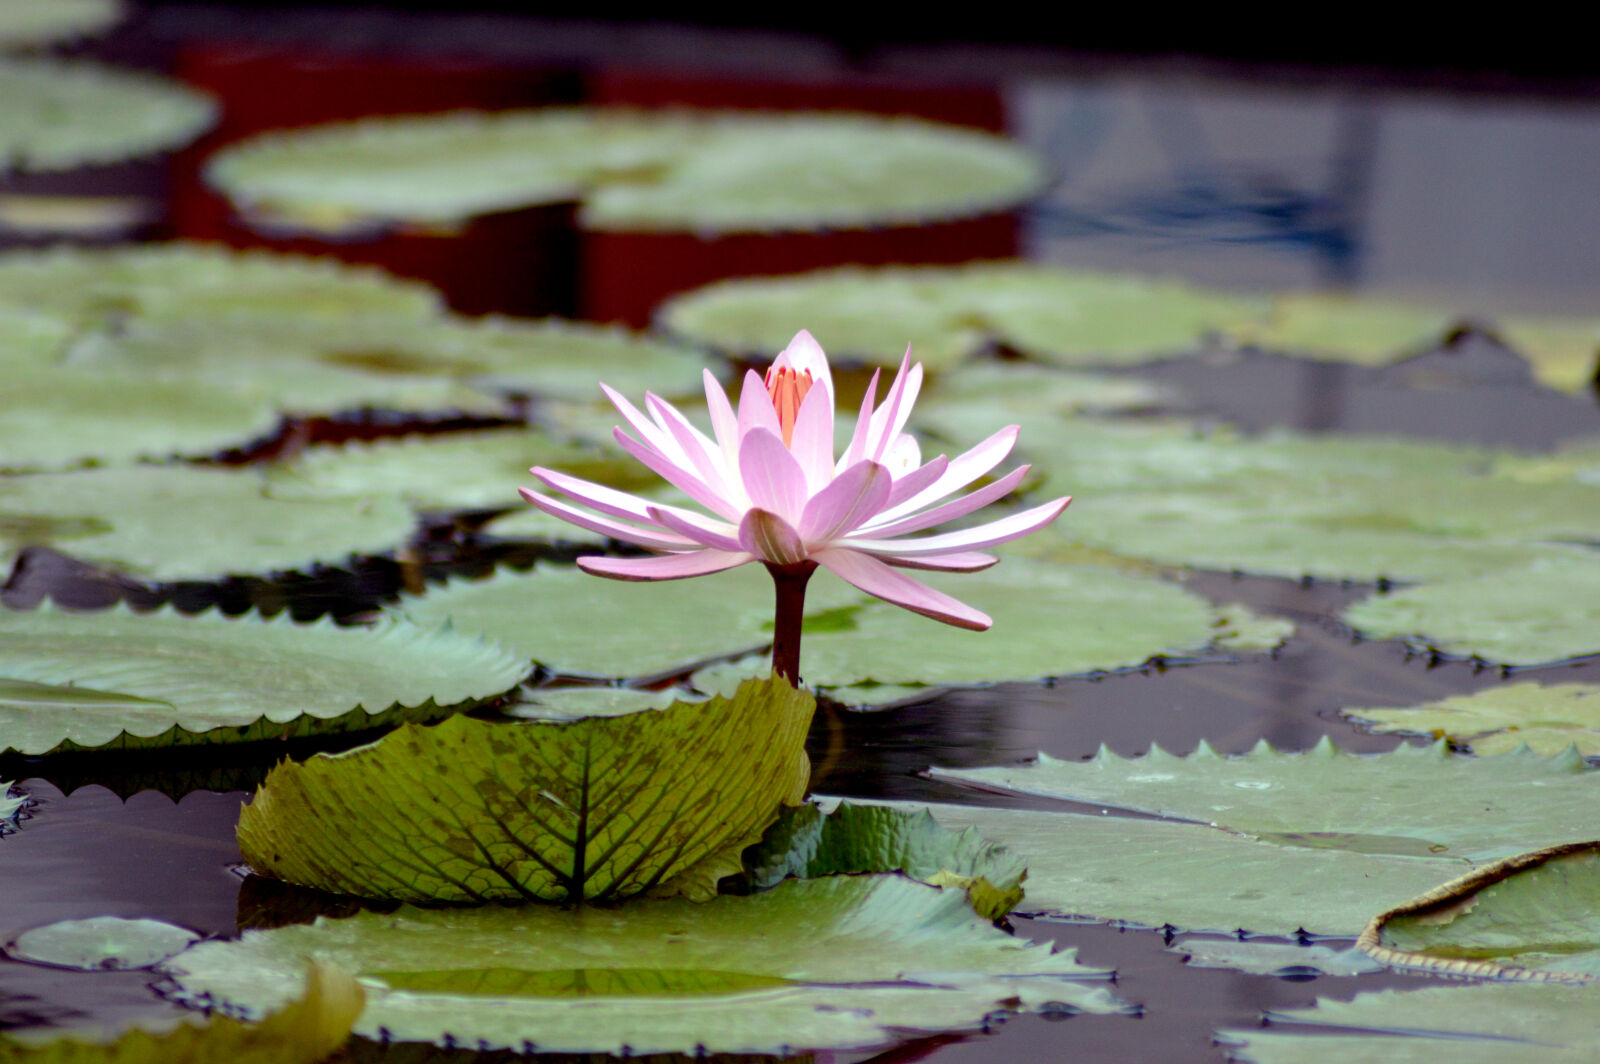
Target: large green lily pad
{"type": "Point", "coordinates": [188, 522]}
{"type": "Point", "coordinates": [949, 313]}
{"type": "Point", "coordinates": [1546, 609]}
{"type": "Point", "coordinates": [1486, 1024]}
{"type": "Point", "coordinates": [57, 114]}
{"type": "Point", "coordinates": [597, 809]}
{"type": "Point", "coordinates": [61, 418]}
{"type": "Point", "coordinates": [1351, 329]}
{"type": "Point", "coordinates": [312, 1018]}
{"type": "Point", "coordinates": [1497, 719]}
{"type": "Point", "coordinates": [1414, 801]}
{"type": "Point", "coordinates": [101, 943]}
{"type": "Point", "coordinates": [1193, 877]}
{"type": "Point", "coordinates": [1534, 916]}
{"type": "Point", "coordinates": [458, 471]}
{"type": "Point", "coordinates": [683, 172]}
{"type": "Point", "coordinates": [552, 615]}
{"type": "Point", "coordinates": [88, 286]}
{"type": "Point", "coordinates": [115, 677]}
{"type": "Point", "coordinates": [844, 962]}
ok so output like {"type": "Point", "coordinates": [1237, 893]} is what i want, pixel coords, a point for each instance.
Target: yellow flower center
{"type": "Point", "coordinates": [787, 389]}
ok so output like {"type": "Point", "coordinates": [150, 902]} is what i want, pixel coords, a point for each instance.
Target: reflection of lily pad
{"type": "Point", "coordinates": [595, 809]}
{"type": "Point", "coordinates": [1532, 916]}
{"type": "Point", "coordinates": [1125, 869]}
{"type": "Point", "coordinates": [710, 173]}
{"type": "Point", "coordinates": [1547, 718]}
{"type": "Point", "coordinates": [100, 943]}
{"type": "Point", "coordinates": [312, 1017]}
{"type": "Point", "coordinates": [1544, 610]}
{"type": "Point", "coordinates": [10, 804]}
{"type": "Point", "coordinates": [55, 115]}
{"type": "Point", "coordinates": [1487, 1024]}
{"type": "Point", "coordinates": [1413, 801]}
{"type": "Point", "coordinates": [188, 522]}
{"type": "Point", "coordinates": [89, 679]}
{"type": "Point", "coordinates": [851, 839]}
{"type": "Point", "coordinates": [553, 613]}
{"type": "Point", "coordinates": [1284, 959]}
{"type": "Point", "coordinates": [60, 419]}
{"type": "Point", "coordinates": [459, 471]}
{"type": "Point", "coordinates": [841, 962]}
{"type": "Point", "coordinates": [87, 286]}
{"type": "Point", "coordinates": [948, 313]}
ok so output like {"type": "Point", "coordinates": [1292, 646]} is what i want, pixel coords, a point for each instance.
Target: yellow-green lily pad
{"type": "Point", "coordinates": [1548, 719]}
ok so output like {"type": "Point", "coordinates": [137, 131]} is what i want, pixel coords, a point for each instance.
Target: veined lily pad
{"type": "Point", "coordinates": [1498, 719]}
{"type": "Point", "coordinates": [1544, 610]}
{"type": "Point", "coordinates": [596, 809]}
{"type": "Point", "coordinates": [552, 614]}
{"type": "Point", "coordinates": [101, 943]}
{"type": "Point", "coordinates": [88, 286]}
{"type": "Point", "coordinates": [851, 839]}
{"type": "Point", "coordinates": [189, 522]}
{"type": "Point", "coordinates": [312, 1017]}
{"type": "Point", "coordinates": [61, 418]}
{"type": "Point", "coordinates": [1533, 916]}
{"type": "Point", "coordinates": [459, 471]}
{"type": "Point", "coordinates": [27, 23]}
{"type": "Point", "coordinates": [114, 677]}
{"type": "Point", "coordinates": [1197, 878]}
{"type": "Point", "coordinates": [1476, 808]}
{"type": "Point", "coordinates": [1285, 959]}
{"type": "Point", "coordinates": [684, 172]}
{"type": "Point", "coordinates": [55, 114]}
{"type": "Point", "coordinates": [949, 313]}
{"type": "Point", "coordinates": [1487, 1024]}
{"type": "Point", "coordinates": [842, 962]}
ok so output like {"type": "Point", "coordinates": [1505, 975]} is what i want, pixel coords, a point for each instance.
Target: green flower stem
{"type": "Point", "coordinates": [789, 581]}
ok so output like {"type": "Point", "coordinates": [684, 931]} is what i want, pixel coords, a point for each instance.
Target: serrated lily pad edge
{"type": "Point", "coordinates": [1455, 891]}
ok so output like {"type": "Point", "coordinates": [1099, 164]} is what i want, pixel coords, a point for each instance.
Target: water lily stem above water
{"type": "Point", "coordinates": [789, 583]}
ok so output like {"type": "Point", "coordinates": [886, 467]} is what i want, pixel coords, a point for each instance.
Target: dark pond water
{"type": "Point", "coordinates": [152, 835]}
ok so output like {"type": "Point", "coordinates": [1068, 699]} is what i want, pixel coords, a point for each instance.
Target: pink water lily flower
{"type": "Point", "coordinates": [776, 493]}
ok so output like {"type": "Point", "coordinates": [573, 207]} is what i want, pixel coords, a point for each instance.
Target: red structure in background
{"type": "Point", "coordinates": [537, 261]}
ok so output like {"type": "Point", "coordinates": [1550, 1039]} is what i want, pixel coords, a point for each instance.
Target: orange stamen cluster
{"type": "Point", "coordinates": [788, 390]}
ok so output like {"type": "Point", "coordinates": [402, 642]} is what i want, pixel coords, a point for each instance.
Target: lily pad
{"type": "Point", "coordinates": [1124, 869]}
{"type": "Point", "coordinates": [844, 962]}
{"type": "Point", "coordinates": [188, 522]}
{"type": "Point", "coordinates": [59, 114]}
{"type": "Point", "coordinates": [552, 613]}
{"type": "Point", "coordinates": [1364, 330]}
{"type": "Point", "coordinates": [1475, 808]}
{"type": "Point", "coordinates": [89, 286]}
{"type": "Point", "coordinates": [62, 418]}
{"type": "Point", "coordinates": [576, 703]}
{"type": "Point", "coordinates": [101, 943]}
{"type": "Point", "coordinates": [1497, 719]}
{"type": "Point", "coordinates": [682, 171]}
{"type": "Point", "coordinates": [810, 841]}
{"type": "Point", "coordinates": [1283, 959]}
{"type": "Point", "coordinates": [1546, 609]}
{"type": "Point", "coordinates": [458, 471]}
{"type": "Point", "coordinates": [1239, 628]}
{"type": "Point", "coordinates": [1564, 352]}
{"type": "Point", "coordinates": [1534, 916]}
{"type": "Point", "coordinates": [1486, 1024]}
{"type": "Point", "coordinates": [947, 314]}
{"type": "Point", "coordinates": [312, 1018]}
{"type": "Point", "coordinates": [597, 809]}
{"type": "Point", "coordinates": [26, 23]}
{"type": "Point", "coordinates": [70, 680]}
